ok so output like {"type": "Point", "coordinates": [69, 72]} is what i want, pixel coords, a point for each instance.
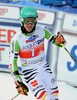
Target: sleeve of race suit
{"type": "Point", "coordinates": [48, 35]}
{"type": "Point", "coordinates": [14, 50]}
{"type": "Point", "coordinates": [51, 37]}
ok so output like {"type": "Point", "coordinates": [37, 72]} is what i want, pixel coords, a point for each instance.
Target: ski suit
{"type": "Point", "coordinates": [35, 69]}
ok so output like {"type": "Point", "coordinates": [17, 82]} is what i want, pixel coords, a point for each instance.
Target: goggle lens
{"type": "Point", "coordinates": [29, 20]}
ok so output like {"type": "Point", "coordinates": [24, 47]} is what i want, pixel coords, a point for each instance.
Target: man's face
{"type": "Point", "coordinates": [29, 23]}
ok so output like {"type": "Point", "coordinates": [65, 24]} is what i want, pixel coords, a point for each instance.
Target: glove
{"type": "Point", "coordinates": [59, 39]}
{"type": "Point", "coordinates": [21, 88]}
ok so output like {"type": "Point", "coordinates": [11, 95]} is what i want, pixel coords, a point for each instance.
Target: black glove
{"type": "Point", "coordinates": [21, 88]}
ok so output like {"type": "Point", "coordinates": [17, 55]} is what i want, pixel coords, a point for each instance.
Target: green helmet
{"type": "Point", "coordinates": [28, 12]}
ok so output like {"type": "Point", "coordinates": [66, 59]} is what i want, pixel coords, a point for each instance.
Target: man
{"type": "Point", "coordinates": [29, 46]}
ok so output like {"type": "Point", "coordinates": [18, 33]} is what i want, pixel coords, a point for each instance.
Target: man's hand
{"type": "Point", "coordinates": [21, 88]}
{"type": "Point", "coordinates": [59, 39]}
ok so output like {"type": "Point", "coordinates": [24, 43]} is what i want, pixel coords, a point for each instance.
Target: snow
{"type": "Point", "coordinates": [8, 90]}
{"type": "Point", "coordinates": [67, 92]}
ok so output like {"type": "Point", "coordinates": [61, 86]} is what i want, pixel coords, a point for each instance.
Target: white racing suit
{"type": "Point", "coordinates": [35, 69]}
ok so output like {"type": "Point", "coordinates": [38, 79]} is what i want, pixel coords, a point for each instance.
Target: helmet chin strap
{"type": "Point", "coordinates": [25, 31]}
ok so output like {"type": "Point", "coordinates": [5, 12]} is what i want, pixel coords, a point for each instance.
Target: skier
{"type": "Point", "coordinates": [29, 46]}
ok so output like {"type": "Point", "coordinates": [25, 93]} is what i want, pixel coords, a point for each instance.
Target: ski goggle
{"type": "Point", "coordinates": [29, 20]}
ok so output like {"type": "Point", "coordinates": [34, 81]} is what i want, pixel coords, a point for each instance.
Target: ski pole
{"type": "Point", "coordinates": [70, 54]}
{"type": "Point", "coordinates": [53, 39]}
{"type": "Point", "coordinates": [17, 84]}
{"type": "Point", "coordinates": [15, 96]}
{"type": "Point", "coordinates": [14, 80]}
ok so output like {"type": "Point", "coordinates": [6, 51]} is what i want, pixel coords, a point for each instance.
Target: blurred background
{"type": "Point", "coordinates": [55, 15]}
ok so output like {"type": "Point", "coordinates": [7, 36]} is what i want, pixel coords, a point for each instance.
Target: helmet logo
{"type": "Point", "coordinates": [30, 13]}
